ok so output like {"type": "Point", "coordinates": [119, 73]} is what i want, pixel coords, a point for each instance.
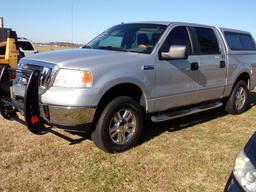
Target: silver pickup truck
{"type": "Point", "coordinates": [163, 70]}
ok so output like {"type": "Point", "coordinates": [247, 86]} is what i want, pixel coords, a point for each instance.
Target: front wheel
{"type": "Point", "coordinates": [120, 125]}
{"type": "Point", "coordinates": [238, 101]}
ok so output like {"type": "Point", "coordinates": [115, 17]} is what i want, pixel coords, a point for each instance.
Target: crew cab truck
{"type": "Point", "coordinates": [160, 69]}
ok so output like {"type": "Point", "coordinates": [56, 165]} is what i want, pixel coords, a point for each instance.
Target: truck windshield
{"type": "Point", "coordinates": [139, 38]}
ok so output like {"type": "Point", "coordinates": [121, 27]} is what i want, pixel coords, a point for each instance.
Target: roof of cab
{"type": "Point", "coordinates": [151, 22]}
{"type": "Point", "coordinates": [167, 23]}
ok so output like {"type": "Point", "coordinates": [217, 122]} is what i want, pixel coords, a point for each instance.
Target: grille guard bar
{"type": "Point", "coordinates": [30, 107]}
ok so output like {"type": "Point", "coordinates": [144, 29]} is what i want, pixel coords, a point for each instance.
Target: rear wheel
{"type": "Point", "coordinates": [120, 125]}
{"type": "Point", "coordinates": [238, 101]}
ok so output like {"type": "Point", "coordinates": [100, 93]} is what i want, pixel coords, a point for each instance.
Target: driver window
{"type": "Point", "coordinates": [178, 36]}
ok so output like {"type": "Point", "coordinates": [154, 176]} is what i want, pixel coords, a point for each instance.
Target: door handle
{"type": "Point", "coordinates": [148, 67]}
{"type": "Point", "coordinates": [194, 66]}
{"type": "Point", "coordinates": [222, 64]}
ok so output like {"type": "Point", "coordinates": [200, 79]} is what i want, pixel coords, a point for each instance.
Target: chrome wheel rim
{"type": "Point", "coordinates": [122, 127]}
{"type": "Point", "coordinates": [240, 98]}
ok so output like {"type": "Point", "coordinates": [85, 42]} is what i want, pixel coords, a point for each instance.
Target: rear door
{"type": "Point", "coordinates": [212, 66]}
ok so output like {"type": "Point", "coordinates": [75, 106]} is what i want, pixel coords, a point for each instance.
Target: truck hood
{"type": "Point", "coordinates": [79, 58]}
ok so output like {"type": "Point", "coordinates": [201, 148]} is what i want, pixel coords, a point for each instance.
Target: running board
{"type": "Point", "coordinates": [184, 112]}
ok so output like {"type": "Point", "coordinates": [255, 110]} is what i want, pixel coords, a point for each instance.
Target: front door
{"type": "Point", "coordinates": [176, 83]}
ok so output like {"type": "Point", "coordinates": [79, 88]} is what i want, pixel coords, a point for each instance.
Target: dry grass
{"type": "Point", "coordinates": [45, 48]}
{"type": "Point", "coordinates": [194, 153]}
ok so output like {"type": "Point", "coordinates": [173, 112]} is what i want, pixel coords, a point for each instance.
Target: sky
{"type": "Point", "coordinates": [79, 21]}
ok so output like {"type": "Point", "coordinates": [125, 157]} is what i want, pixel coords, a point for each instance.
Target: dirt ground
{"type": "Point", "coordinates": [194, 153]}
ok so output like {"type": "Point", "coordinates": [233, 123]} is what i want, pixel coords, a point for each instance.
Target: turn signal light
{"type": "Point", "coordinates": [88, 79]}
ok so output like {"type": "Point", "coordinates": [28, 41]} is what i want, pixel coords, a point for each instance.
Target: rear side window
{"type": "Point", "coordinates": [26, 46]}
{"type": "Point", "coordinates": [208, 43]}
{"type": "Point", "coordinates": [239, 41]}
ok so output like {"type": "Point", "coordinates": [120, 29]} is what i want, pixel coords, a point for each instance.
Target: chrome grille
{"type": "Point", "coordinates": [47, 75]}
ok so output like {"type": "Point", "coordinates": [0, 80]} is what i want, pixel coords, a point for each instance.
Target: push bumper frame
{"type": "Point", "coordinates": [9, 107]}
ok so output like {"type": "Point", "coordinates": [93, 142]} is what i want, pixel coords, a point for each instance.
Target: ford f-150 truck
{"type": "Point", "coordinates": [163, 70]}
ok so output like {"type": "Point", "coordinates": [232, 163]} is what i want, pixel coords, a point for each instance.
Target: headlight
{"type": "Point", "coordinates": [245, 172]}
{"type": "Point", "coordinates": [73, 78]}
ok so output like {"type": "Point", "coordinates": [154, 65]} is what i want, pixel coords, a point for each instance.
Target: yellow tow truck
{"type": "Point", "coordinates": [9, 51]}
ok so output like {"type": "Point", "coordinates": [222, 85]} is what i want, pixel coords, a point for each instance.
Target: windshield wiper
{"type": "Point", "coordinates": [112, 48]}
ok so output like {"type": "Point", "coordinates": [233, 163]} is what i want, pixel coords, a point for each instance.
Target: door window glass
{"type": "Point", "coordinates": [178, 36]}
{"type": "Point", "coordinates": [208, 43]}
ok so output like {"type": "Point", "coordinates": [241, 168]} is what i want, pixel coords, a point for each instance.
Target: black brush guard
{"type": "Point", "coordinates": [29, 107]}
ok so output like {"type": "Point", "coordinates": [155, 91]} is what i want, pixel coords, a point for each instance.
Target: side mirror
{"type": "Point", "coordinates": [175, 52]}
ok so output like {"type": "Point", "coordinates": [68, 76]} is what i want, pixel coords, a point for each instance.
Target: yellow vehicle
{"type": "Point", "coordinates": [9, 52]}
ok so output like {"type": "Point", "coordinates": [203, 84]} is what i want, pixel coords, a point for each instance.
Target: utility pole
{"type": "Point", "coordinates": [1, 22]}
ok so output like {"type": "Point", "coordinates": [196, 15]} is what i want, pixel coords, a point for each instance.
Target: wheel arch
{"type": "Point", "coordinates": [245, 76]}
{"type": "Point", "coordinates": [122, 89]}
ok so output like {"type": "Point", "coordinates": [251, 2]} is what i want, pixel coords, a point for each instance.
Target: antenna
{"type": "Point", "coordinates": [72, 22]}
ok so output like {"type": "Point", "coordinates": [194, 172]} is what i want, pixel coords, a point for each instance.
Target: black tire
{"type": "Point", "coordinates": [101, 135]}
{"type": "Point", "coordinates": [231, 106]}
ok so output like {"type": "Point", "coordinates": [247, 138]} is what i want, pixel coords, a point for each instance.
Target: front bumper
{"type": "Point", "coordinates": [64, 116]}
{"type": "Point", "coordinates": [63, 105]}
{"type": "Point", "coordinates": [36, 115]}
